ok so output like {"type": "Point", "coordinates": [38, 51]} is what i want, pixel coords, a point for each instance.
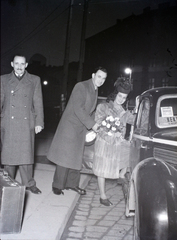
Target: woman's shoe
{"type": "Point", "coordinates": [105, 202]}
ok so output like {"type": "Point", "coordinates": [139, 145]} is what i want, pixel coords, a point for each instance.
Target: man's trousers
{"type": "Point", "coordinates": [26, 173]}
{"type": "Point", "coordinates": [66, 178]}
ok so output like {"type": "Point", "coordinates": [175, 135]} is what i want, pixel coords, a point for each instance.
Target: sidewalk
{"type": "Point", "coordinates": [46, 214]}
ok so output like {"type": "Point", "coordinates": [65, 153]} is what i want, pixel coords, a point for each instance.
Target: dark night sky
{"type": "Point", "coordinates": [39, 26]}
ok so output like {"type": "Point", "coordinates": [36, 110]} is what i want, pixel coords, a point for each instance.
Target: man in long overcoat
{"type": "Point", "coordinates": [21, 117]}
{"type": "Point", "coordinates": [68, 143]}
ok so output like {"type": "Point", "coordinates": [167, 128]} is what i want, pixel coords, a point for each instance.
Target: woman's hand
{"type": "Point", "coordinates": [96, 127]}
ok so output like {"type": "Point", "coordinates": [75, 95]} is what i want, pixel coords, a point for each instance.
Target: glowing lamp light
{"type": "Point", "coordinates": [45, 82]}
{"type": "Point", "coordinates": [163, 217]}
{"type": "Point", "coordinates": [128, 71]}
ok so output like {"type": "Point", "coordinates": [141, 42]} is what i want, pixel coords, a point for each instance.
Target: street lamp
{"type": "Point", "coordinates": [45, 82]}
{"type": "Point", "coordinates": [129, 71]}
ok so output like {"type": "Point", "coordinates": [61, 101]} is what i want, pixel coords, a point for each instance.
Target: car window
{"type": "Point", "coordinates": [166, 112]}
{"type": "Point", "coordinates": [143, 117]}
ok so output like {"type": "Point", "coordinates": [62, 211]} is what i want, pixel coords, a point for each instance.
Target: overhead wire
{"type": "Point", "coordinates": [30, 35]}
{"type": "Point", "coordinates": [33, 33]}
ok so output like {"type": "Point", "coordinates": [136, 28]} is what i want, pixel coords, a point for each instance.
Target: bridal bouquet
{"type": "Point", "coordinates": [111, 125]}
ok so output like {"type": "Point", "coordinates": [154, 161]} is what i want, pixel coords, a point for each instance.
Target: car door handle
{"type": "Point", "coordinates": [144, 146]}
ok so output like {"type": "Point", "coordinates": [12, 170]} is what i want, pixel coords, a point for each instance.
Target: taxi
{"type": "Point", "coordinates": [152, 197]}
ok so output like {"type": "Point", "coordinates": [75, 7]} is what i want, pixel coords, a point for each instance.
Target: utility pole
{"type": "Point", "coordinates": [66, 58]}
{"type": "Point", "coordinates": [82, 45]}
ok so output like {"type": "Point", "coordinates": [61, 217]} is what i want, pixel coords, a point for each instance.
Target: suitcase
{"type": "Point", "coordinates": [12, 195]}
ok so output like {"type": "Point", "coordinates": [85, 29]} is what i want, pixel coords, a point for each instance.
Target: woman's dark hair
{"type": "Point", "coordinates": [121, 85]}
{"type": "Point", "coordinates": [112, 96]}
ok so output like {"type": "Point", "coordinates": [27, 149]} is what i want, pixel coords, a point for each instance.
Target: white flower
{"type": "Point", "coordinates": [113, 128]}
{"type": "Point", "coordinates": [111, 119]}
{"type": "Point", "coordinates": [117, 122]}
{"type": "Point", "coordinates": [104, 123]}
{"type": "Point", "coordinates": [108, 118]}
{"type": "Point", "coordinates": [110, 133]}
{"type": "Point", "coordinates": [108, 125]}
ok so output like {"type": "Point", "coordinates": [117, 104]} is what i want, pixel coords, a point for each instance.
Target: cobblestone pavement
{"type": "Point", "coordinates": [92, 221]}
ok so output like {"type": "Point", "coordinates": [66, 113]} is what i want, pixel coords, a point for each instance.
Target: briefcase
{"type": "Point", "coordinates": [12, 195]}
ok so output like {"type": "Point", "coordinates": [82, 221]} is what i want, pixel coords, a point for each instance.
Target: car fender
{"type": "Point", "coordinates": [155, 186]}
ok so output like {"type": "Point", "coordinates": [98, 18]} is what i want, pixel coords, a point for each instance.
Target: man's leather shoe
{"type": "Point", "coordinates": [57, 191]}
{"type": "Point", "coordinates": [34, 189]}
{"type": "Point", "coordinates": [78, 190]}
{"type": "Point", "coordinates": [105, 202]}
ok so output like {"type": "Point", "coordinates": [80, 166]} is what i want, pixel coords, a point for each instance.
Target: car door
{"type": "Point", "coordinates": [140, 144]}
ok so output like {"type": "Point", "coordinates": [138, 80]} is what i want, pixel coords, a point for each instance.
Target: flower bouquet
{"type": "Point", "coordinates": [111, 125]}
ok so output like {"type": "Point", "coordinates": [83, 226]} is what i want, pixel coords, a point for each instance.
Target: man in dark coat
{"type": "Point", "coordinates": [21, 117]}
{"type": "Point", "coordinates": [68, 144]}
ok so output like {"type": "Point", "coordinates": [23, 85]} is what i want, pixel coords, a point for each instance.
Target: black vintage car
{"type": "Point", "coordinates": [153, 157]}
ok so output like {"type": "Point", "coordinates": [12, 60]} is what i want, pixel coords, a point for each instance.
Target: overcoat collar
{"type": "Point", "coordinates": [16, 84]}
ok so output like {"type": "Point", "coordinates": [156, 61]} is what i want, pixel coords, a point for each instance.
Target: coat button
{"type": "Point", "coordinates": [25, 118]}
{"type": "Point", "coordinates": [12, 91]}
{"type": "Point", "coordinates": [12, 117]}
{"type": "Point", "coordinates": [25, 106]}
{"type": "Point", "coordinates": [13, 106]}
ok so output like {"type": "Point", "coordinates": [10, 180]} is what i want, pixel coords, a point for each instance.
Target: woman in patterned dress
{"type": "Point", "coordinates": [111, 155]}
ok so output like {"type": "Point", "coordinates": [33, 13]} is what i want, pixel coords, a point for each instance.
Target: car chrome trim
{"type": "Point", "coordinates": [141, 137]}
{"type": "Point", "coordinates": [156, 140]}
{"type": "Point", "coordinates": [169, 142]}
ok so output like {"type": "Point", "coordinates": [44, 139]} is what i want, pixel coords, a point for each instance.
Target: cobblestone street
{"type": "Point", "coordinates": [91, 220]}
